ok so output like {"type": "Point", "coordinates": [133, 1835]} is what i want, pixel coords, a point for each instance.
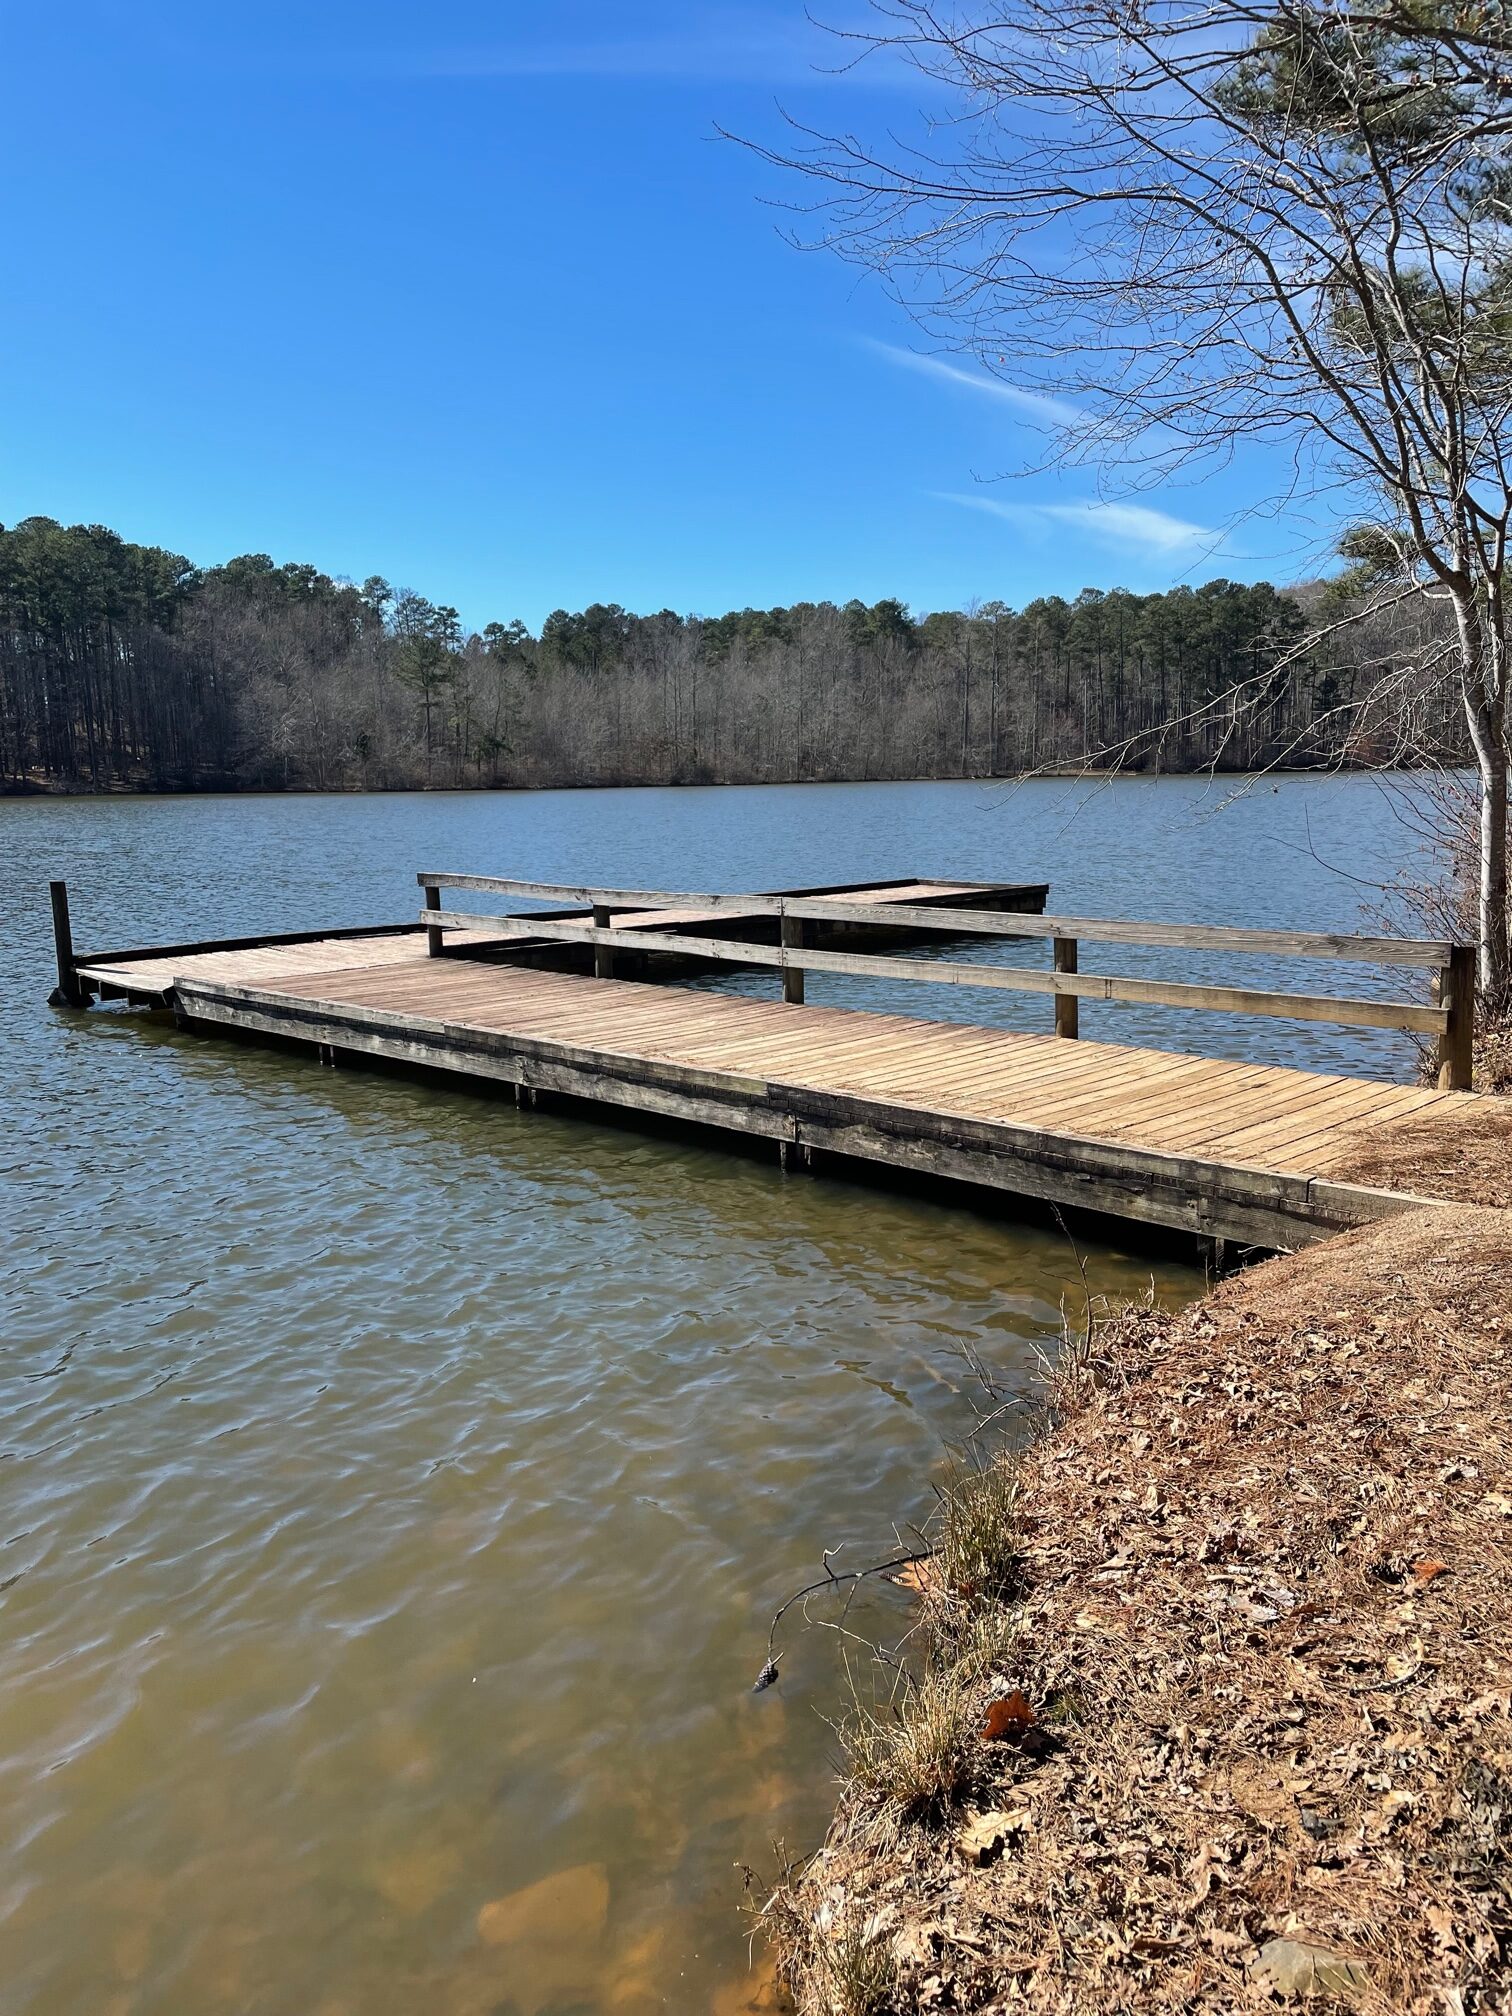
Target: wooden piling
{"type": "Point", "coordinates": [1067, 1008]}
{"type": "Point", "coordinates": [433, 934]}
{"type": "Point", "coordinates": [792, 976]}
{"type": "Point", "coordinates": [68, 991]}
{"type": "Point", "coordinates": [603, 955]}
{"type": "Point", "coordinates": [1454, 991]}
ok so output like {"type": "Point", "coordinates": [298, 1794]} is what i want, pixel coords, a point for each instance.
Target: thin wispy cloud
{"type": "Point", "coordinates": [732, 45]}
{"type": "Point", "coordinates": [774, 47]}
{"type": "Point", "coordinates": [1037, 406]}
{"type": "Point", "coordinates": [1139, 531]}
{"type": "Point", "coordinates": [650, 56]}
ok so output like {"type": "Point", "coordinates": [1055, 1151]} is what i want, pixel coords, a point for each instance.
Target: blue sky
{"type": "Point", "coordinates": [472, 296]}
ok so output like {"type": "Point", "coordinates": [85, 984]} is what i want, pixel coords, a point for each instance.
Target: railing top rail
{"type": "Point", "coordinates": [1367, 950]}
{"type": "Point", "coordinates": [1025, 980]}
{"type": "Point", "coordinates": [613, 899]}
{"type": "Point", "coordinates": [1430, 953]}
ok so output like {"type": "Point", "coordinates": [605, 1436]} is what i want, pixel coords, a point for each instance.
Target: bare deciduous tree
{"type": "Point", "coordinates": [1180, 225]}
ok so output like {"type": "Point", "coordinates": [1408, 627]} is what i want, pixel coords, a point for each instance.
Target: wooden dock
{"type": "Point", "coordinates": [145, 974]}
{"type": "Point", "coordinates": [1250, 1154]}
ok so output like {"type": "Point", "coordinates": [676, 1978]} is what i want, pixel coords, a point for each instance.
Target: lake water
{"type": "Point", "coordinates": [397, 1487]}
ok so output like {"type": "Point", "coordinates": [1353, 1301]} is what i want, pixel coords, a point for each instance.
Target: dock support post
{"type": "Point", "coordinates": [1454, 989]}
{"type": "Point", "coordinates": [1067, 1019]}
{"type": "Point", "coordinates": [1212, 1251]}
{"type": "Point", "coordinates": [68, 992]}
{"type": "Point", "coordinates": [792, 976]}
{"type": "Point", "coordinates": [603, 955]}
{"type": "Point", "coordinates": [433, 939]}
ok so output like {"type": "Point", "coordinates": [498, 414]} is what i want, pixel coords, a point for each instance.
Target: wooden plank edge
{"type": "Point", "coordinates": [295, 1014]}
{"type": "Point", "coordinates": [1252, 1206]}
{"type": "Point", "coordinates": [643, 1091]}
{"type": "Point", "coordinates": [1359, 1204]}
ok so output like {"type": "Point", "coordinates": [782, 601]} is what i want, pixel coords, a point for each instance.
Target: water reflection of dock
{"type": "Point", "coordinates": [578, 1003]}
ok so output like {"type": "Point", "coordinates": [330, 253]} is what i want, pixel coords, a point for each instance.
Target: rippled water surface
{"type": "Point", "coordinates": [396, 1487]}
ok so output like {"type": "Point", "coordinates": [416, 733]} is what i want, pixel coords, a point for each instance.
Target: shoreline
{"type": "Point", "coordinates": [1253, 1673]}
{"type": "Point", "coordinates": [33, 791]}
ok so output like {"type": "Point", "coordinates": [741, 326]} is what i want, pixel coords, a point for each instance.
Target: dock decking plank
{"type": "Point", "coordinates": [1303, 1133]}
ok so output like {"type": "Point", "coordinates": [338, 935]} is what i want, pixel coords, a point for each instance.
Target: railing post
{"type": "Point", "coordinates": [68, 991]}
{"type": "Point", "coordinates": [792, 976]}
{"type": "Point", "coordinates": [1067, 1021]}
{"type": "Point", "coordinates": [603, 955]}
{"type": "Point", "coordinates": [433, 939]}
{"type": "Point", "coordinates": [1454, 989]}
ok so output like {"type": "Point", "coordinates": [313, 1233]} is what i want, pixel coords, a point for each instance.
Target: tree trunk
{"type": "Point", "coordinates": [1494, 974]}
{"type": "Point", "coordinates": [1485, 715]}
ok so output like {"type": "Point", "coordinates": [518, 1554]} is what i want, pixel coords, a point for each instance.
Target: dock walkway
{"type": "Point", "coordinates": [1247, 1153]}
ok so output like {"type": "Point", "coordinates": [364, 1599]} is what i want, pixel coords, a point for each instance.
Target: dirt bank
{"type": "Point", "coordinates": [1259, 1614]}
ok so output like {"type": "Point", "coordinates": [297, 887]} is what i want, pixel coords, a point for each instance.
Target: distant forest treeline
{"type": "Point", "coordinates": [127, 665]}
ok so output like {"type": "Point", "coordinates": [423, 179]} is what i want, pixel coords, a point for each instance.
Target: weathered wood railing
{"type": "Point", "coordinates": [1449, 1018]}
{"type": "Point", "coordinates": [72, 991]}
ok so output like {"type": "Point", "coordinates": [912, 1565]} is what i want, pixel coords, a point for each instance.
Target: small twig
{"type": "Point", "coordinates": [829, 1580]}
{"type": "Point", "coordinates": [1076, 1255]}
{"type": "Point", "coordinates": [1009, 1406]}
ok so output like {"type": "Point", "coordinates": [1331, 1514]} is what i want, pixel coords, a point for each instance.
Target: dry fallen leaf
{"type": "Point", "coordinates": [1487, 1704]}
{"type": "Point", "coordinates": [1390, 1810]}
{"type": "Point", "coordinates": [983, 1837]}
{"type": "Point", "coordinates": [922, 1576]}
{"type": "Point", "coordinates": [1224, 1942]}
{"type": "Point", "coordinates": [1008, 1718]}
{"type": "Point", "coordinates": [1298, 1967]}
{"type": "Point", "coordinates": [915, 1945]}
{"type": "Point", "coordinates": [1205, 1869]}
{"type": "Point", "coordinates": [1426, 1570]}
{"type": "Point", "coordinates": [879, 1922]}
{"type": "Point", "coordinates": [1441, 1923]}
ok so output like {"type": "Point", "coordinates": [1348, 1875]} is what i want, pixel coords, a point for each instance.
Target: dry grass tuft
{"type": "Point", "coordinates": [911, 1756]}
{"type": "Point", "coordinates": [1099, 1356]}
{"type": "Point", "coordinates": [860, 1973]}
{"type": "Point", "coordinates": [978, 1529]}
{"type": "Point", "coordinates": [847, 1964]}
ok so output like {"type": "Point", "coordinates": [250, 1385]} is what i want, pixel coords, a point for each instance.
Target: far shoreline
{"type": "Point", "coordinates": [22, 793]}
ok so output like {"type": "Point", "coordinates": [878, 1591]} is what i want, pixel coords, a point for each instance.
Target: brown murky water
{"type": "Point", "coordinates": [396, 1488]}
